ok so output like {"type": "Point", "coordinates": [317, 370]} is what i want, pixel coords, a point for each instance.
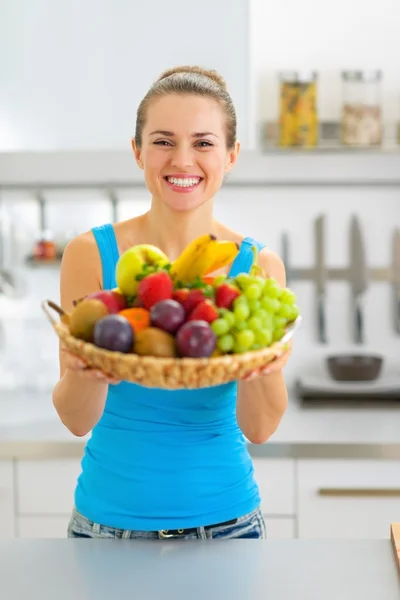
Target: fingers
{"type": "Point", "coordinates": [274, 366]}
{"type": "Point", "coordinates": [77, 364]}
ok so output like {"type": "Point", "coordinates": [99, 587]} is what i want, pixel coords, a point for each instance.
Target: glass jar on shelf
{"type": "Point", "coordinates": [362, 111]}
{"type": "Point", "coordinates": [298, 112]}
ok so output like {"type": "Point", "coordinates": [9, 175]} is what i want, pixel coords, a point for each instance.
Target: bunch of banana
{"type": "Point", "coordinates": [225, 253]}
{"type": "Point", "coordinates": [203, 255]}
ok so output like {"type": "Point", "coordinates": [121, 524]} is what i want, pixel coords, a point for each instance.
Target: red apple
{"type": "Point", "coordinates": [114, 301]}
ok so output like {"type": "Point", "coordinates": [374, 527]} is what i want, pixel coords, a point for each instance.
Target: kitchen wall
{"type": "Point", "coordinates": [73, 72]}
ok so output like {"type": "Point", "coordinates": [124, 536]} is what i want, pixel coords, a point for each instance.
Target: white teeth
{"type": "Point", "coordinates": [186, 182]}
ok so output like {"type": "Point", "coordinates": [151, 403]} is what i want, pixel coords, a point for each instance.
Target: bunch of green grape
{"type": "Point", "coordinates": [258, 317]}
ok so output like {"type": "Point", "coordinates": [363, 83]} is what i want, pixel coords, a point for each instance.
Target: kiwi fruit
{"type": "Point", "coordinates": [84, 317]}
{"type": "Point", "coordinates": [155, 342]}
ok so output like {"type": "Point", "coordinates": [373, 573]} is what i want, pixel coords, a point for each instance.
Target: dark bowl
{"type": "Point", "coordinates": [352, 367]}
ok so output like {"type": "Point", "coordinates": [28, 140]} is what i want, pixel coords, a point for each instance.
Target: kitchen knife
{"type": "Point", "coordinates": [358, 278]}
{"type": "Point", "coordinates": [396, 278]}
{"type": "Point", "coordinates": [320, 277]}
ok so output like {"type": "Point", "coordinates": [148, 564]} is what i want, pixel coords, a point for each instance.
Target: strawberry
{"type": "Point", "coordinates": [180, 295]}
{"type": "Point", "coordinates": [204, 311]}
{"type": "Point", "coordinates": [155, 287]}
{"type": "Point", "coordinates": [189, 298]}
{"type": "Point", "coordinates": [225, 294]}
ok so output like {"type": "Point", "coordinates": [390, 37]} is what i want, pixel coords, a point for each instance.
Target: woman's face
{"type": "Point", "coordinates": [183, 154]}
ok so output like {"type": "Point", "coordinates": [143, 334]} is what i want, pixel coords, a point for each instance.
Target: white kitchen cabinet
{"type": "Point", "coordinates": [46, 487]}
{"type": "Point", "coordinates": [7, 529]}
{"type": "Point", "coordinates": [280, 528]}
{"type": "Point", "coordinates": [42, 527]}
{"type": "Point", "coordinates": [276, 480]}
{"type": "Point", "coordinates": [348, 498]}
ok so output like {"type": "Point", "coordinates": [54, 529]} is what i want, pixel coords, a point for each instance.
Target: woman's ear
{"type": "Point", "coordinates": [138, 154]}
{"type": "Point", "coordinates": [232, 157]}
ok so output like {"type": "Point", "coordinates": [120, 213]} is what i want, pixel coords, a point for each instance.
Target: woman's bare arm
{"type": "Point", "coordinates": [262, 401]}
{"type": "Point", "coordinates": [80, 394]}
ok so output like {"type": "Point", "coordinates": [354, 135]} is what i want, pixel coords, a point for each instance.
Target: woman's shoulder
{"type": "Point", "coordinates": [80, 245]}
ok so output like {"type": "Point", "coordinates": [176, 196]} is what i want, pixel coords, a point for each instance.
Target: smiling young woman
{"type": "Point", "coordinates": [166, 464]}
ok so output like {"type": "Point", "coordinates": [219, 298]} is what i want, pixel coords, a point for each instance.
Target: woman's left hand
{"type": "Point", "coordinates": [274, 366]}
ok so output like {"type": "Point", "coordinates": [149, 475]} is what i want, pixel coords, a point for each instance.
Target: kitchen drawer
{"type": "Point", "coordinates": [46, 487]}
{"type": "Point", "coordinates": [42, 527]}
{"type": "Point", "coordinates": [280, 527]}
{"type": "Point", "coordinates": [6, 500]}
{"type": "Point", "coordinates": [275, 478]}
{"type": "Point", "coordinates": [348, 498]}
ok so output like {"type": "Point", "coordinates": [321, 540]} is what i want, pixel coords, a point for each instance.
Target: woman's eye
{"type": "Point", "coordinates": [162, 143]}
{"type": "Point", "coordinates": [204, 144]}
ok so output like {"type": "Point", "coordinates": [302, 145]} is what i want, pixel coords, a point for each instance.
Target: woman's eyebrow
{"type": "Point", "coordinates": [171, 134]}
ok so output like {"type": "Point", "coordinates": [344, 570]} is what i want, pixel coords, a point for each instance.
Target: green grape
{"type": "Point", "coordinates": [238, 349]}
{"type": "Point", "coordinates": [272, 289]}
{"type": "Point", "coordinates": [240, 300]}
{"type": "Point", "coordinates": [220, 327]}
{"type": "Point", "coordinates": [254, 323]}
{"type": "Point", "coordinates": [288, 297]}
{"type": "Point", "coordinates": [272, 305]}
{"type": "Point", "coordinates": [254, 305]}
{"type": "Point", "coordinates": [295, 312]}
{"type": "Point", "coordinates": [243, 280]}
{"type": "Point", "coordinates": [278, 334]}
{"type": "Point", "coordinates": [218, 280]}
{"type": "Point", "coordinates": [268, 321]}
{"type": "Point", "coordinates": [240, 325]}
{"type": "Point", "coordinates": [285, 311]}
{"type": "Point", "coordinates": [253, 291]}
{"type": "Point", "coordinates": [245, 338]}
{"type": "Point", "coordinates": [226, 343]}
{"type": "Point", "coordinates": [264, 337]}
{"type": "Point", "coordinates": [241, 312]}
{"type": "Point", "coordinates": [279, 322]}
{"type": "Point", "coordinates": [229, 317]}
{"type": "Point", "coordinates": [259, 313]}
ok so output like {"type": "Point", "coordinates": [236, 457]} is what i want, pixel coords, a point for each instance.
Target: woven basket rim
{"type": "Point", "coordinates": [226, 359]}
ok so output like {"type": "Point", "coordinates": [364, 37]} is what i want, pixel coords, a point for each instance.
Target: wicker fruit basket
{"type": "Point", "coordinates": [167, 373]}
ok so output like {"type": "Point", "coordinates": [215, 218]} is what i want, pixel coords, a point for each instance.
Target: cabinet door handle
{"type": "Point", "coordinates": [360, 492]}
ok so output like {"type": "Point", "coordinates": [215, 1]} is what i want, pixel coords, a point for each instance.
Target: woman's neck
{"type": "Point", "coordinates": [172, 231]}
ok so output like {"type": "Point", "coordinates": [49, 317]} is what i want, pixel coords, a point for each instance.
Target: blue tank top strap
{"type": "Point", "coordinates": [108, 249]}
{"type": "Point", "coordinates": [244, 260]}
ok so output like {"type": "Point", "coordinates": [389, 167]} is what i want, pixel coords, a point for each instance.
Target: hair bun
{"type": "Point", "coordinates": [210, 73]}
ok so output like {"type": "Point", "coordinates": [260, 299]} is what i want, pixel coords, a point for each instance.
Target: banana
{"type": "Point", "coordinates": [195, 260]}
{"type": "Point", "coordinates": [225, 253]}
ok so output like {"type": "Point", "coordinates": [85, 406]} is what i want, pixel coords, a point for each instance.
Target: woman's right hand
{"type": "Point", "coordinates": [77, 364]}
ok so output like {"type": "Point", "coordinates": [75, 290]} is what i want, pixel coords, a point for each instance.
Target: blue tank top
{"type": "Point", "coordinates": [166, 459]}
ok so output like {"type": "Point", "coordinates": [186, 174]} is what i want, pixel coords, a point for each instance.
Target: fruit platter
{"type": "Point", "coordinates": [175, 325]}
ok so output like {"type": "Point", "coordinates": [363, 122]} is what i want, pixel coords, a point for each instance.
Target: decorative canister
{"type": "Point", "coordinates": [362, 112]}
{"type": "Point", "coordinates": [298, 113]}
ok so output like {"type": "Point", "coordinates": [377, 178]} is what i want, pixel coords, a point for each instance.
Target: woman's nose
{"type": "Point", "coordinates": [182, 157]}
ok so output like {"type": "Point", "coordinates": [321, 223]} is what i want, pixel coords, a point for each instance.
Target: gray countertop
{"type": "Point", "coordinates": [31, 429]}
{"type": "Point", "coordinates": [182, 570]}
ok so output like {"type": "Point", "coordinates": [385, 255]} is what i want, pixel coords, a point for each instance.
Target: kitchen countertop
{"type": "Point", "coordinates": [231, 569]}
{"type": "Point", "coordinates": [30, 429]}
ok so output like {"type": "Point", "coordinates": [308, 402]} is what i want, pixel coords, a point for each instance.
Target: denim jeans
{"type": "Point", "coordinates": [248, 526]}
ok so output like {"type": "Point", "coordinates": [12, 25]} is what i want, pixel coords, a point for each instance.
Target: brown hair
{"type": "Point", "coordinates": [190, 80]}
